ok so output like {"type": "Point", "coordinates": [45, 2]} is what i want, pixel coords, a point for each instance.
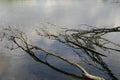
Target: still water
{"type": "Point", "coordinates": [29, 14]}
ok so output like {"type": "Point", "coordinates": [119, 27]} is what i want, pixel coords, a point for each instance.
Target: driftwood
{"type": "Point", "coordinates": [81, 39]}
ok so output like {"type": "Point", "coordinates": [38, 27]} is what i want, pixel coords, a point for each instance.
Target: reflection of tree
{"type": "Point", "coordinates": [112, 1]}
{"type": "Point", "coordinates": [86, 40]}
{"type": "Point", "coordinates": [10, 1]}
{"type": "Point", "coordinates": [53, 67]}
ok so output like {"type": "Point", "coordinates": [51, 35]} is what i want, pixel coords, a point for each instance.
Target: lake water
{"type": "Point", "coordinates": [29, 14]}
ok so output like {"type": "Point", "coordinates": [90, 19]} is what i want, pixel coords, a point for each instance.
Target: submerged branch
{"type": "Point", "coordinates": [79, 39]}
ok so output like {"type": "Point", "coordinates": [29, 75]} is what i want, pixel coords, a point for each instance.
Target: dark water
{"type": "Point", "coordinates": [28, 14]}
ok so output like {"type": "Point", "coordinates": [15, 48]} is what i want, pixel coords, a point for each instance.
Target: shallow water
{"type": "Point", "coordinates": [29, 14]}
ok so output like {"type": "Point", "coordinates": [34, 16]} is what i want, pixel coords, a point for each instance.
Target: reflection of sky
{"type": "Point", "coordinates": [60, 12]}
{"type": "Point", "coordinates": [68, 13]}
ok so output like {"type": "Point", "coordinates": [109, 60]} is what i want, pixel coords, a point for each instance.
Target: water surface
{"type": "Point", "coordinates": [28, 14]}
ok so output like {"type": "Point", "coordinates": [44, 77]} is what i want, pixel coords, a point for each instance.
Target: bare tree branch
{"type": "Point", "coordinates": [79, 39]}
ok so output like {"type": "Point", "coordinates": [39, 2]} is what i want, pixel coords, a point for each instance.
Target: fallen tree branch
{"type": "Point", "coordinates": [78, 38]}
